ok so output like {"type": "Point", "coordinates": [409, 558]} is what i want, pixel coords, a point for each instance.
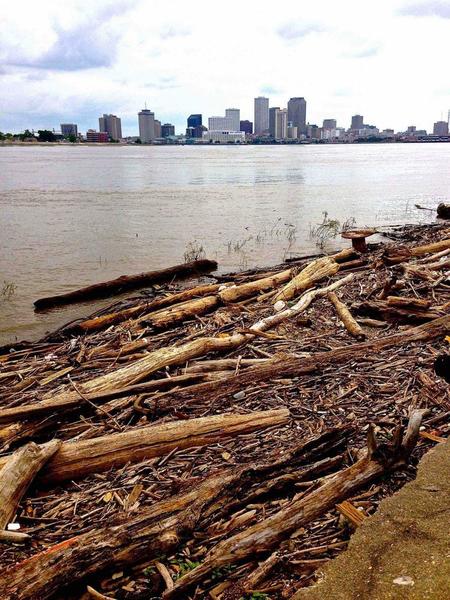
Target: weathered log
{"type": "Point", "coordinates": [127, 282]}
{"type": "Point", "coordinates": [108, 319]}
{"type": "Point", "coordinates": [300, 306]}
{"type": "Point", "coordinates": [295, 366]}
{"type": "Point", "coordinates": [269, 532]}
{"type": "Point", "coordinates": [161, 528]}
{"type": "Point", "coordinates": [77, 459]}
{"type": "Point", "coordinates": [18, 472]}
{"type": "Point", "coordinates": [239, 292]}
{"type": "Point", "coordinates": [14, 537]}
{"type": "Point", "coordinates": [414, 303]}
{"type": "Point", "coordinates": [18, 414]}
{"type": "Point", "coordinates": [180, 312]}
{"type": "Point", "coordinates": [398, 254]}
{"type": "Point", "coordinates": [346, 317]}
{"type": "Point", "coordinates": [311, 274]}
{"type": "Point", "coordinates": [388, 312]}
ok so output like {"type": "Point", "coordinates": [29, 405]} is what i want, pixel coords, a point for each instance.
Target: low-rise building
{"type": "Point", "coordinates": [224, 137]}
{"type": "Point", "coordinates": [97, 136]}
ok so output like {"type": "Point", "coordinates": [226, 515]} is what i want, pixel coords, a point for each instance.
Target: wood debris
{"type": "Point", "coordinates": [204, 441]}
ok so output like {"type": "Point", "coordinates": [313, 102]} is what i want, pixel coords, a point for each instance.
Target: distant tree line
{"type": "Point", "coordinates": [43, 135]}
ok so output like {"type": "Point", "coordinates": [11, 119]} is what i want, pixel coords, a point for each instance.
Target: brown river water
{"type": "Point", "coordinates": [72, 216]}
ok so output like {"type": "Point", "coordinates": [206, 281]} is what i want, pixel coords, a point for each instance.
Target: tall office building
{"type": "Point", "coordinates": [440, 128]}
{"type": "Point", "coordinates": [69, 129]}
{"type": "Point", "coordinates": [357, 122]}
{"type": "Point", "coordinates": [167, 130]}
{"type": "Point", "coordinates": [221, 124]}
{"type": "Point", "coordinates": [261, 119]}
{"type": "Point", "coordinates": [111, 125]}
{"type": "Point", "coordinates": [296, 110]}
{"type": "Point", "coordinates": [146, 125]}
{"type": "Point", "coordinates": [157, 128]}
{"type": "Point", "coordinates": [329, 124]}
{"type": "Point", "coordinates": [273, 120]}
{"type": "Point", "coordinates": [235, 115]}
{"type": "Point", "coordinates": [246, 127]}
{"type": "Point", "coordinates": [194, 126]}
{"type": "Point", "coordinates": [281, 121]}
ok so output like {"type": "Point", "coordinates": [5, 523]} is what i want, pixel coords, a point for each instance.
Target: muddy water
{"type": "Point", "coordinates": [71, 216]}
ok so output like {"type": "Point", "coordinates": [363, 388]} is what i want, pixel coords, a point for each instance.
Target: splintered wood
{"type": "Point", "coordinates": [224, 439]}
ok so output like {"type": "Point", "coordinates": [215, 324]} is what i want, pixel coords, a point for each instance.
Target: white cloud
{"type": "Point", "coordinates": [76, 59]}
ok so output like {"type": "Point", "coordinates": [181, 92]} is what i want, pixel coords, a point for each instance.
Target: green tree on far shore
{"type": "Point", "coordinates": [44, 135]}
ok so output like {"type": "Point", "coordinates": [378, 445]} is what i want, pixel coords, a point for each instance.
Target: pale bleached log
{"type": "Point", "coordinates": [346, 317]}
{"type": "Point", "coordinates": [146, 307]}
{"type": "Point", "coordinates": [300, 306]}
{"type": "Point", "coordinates": [79, 458]}
{"type": "Point", "coordinates": [311, 274]}
{"type": "Point", "coordinates": [180, 312]}
{"type": "Point", "coordinates": [17, 473]}
{"type": "Point", "coordinates": [269, 532]}
{"type": "Point", "coordinates": [160, 528]}
{"type": "Point", "coordinates": [239, 292]}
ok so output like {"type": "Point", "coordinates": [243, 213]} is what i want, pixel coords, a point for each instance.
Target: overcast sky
{"type": "Point", "coordinates": [71, 60]}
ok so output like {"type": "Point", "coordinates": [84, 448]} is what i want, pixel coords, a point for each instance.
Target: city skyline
{"type": "Point", "coordinates": [74, 61]}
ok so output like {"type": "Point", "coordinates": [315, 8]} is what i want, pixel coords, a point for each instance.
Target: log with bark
{"type": "Point", "coordinates": [160, 529]}
{"type": "Point", "coordinates": [76, 459]}
{"type": "Point", "coordinates": [108, 319]}
{"type": "Point", "coordinates": [398, 254]}
{"type": "Point", "coordinates": [18, 472]}
{"type": "Point", "coordinates": [127, 282]}
{"type": "Point", "coordinates": [268, 533]}
{"type": "Point", "coordinates": [295, 366]}
{"type": "Point", "coordinates": [395, 312]}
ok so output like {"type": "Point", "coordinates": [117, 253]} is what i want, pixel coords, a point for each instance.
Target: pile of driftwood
{"type": "Point", "coordinates": [222, 440]}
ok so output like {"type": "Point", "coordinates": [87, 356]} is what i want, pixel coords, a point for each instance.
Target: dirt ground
{"type": "Point", "coordinates": [403, 550]}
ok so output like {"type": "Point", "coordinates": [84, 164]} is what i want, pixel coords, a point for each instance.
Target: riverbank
{"type": "Point", "coordinates": [220, 427]}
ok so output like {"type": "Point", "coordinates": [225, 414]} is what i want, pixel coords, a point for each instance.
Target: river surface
{"type": "Point", "coordinates": [72, 216]}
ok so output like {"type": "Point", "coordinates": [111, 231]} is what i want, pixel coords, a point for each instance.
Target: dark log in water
{"type": "Point", "coordinates": [127, 282]}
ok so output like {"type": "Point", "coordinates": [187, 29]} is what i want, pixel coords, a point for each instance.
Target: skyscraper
{"type": "Point", "coordinates": [235, 115]}
{"type": "Point", "coordinates": [111, 125]}
{"type": "Point", "coordinates": [194, 126]}
{"type": "Point", "coordinates": [157, 128]}
{"type": "Point", "coordinates": [146, 125]}
{"type": "Point", "coordinates": [296, 114]}
{"type": "Point", "coordinates": [357, 122]}
{"type": "Point", "coordinates": [329, 124]}
{"type": "Point", "coordinates": [261, 115]}
{"type": "Point", "coordinates": [440, 128]}
{"type": "Point", "coordinates": [221, 124]}
{"type": "Point", "coordinates": [281, 122]}
{"type": "Point", "coordinates": [273, 120]}
{"type": "Point", "coordinates": [167, 130]}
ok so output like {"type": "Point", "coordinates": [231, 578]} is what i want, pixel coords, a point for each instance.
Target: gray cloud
{"type": "Point", "coordinates": [295, 31]}
{"type": "Point", "coordinates": [427, 8]}
{"type": "Point", "coordinates": [89, 45]}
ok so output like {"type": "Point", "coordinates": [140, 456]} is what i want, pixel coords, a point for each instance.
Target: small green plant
{"type": "Point", "coordinates": [194, 251]}
{"type": "Point", "coordinates": [184, 566]}
{"type": "Point", "coordinates": [221, 572]}
{"type": "Point", "coordinates": [329, 228]}
{"type": "Point", "coordinates": [8, 290]}
{"type": "Point", "coordinates": [149, 571]}
{"type": "Point", "coordinates": [255, 596]}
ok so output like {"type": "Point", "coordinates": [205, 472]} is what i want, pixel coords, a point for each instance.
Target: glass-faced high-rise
{"type": "Point", "coordinates": [261, 120]}
{"type": "Point", "coordinates": [297, 114]}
